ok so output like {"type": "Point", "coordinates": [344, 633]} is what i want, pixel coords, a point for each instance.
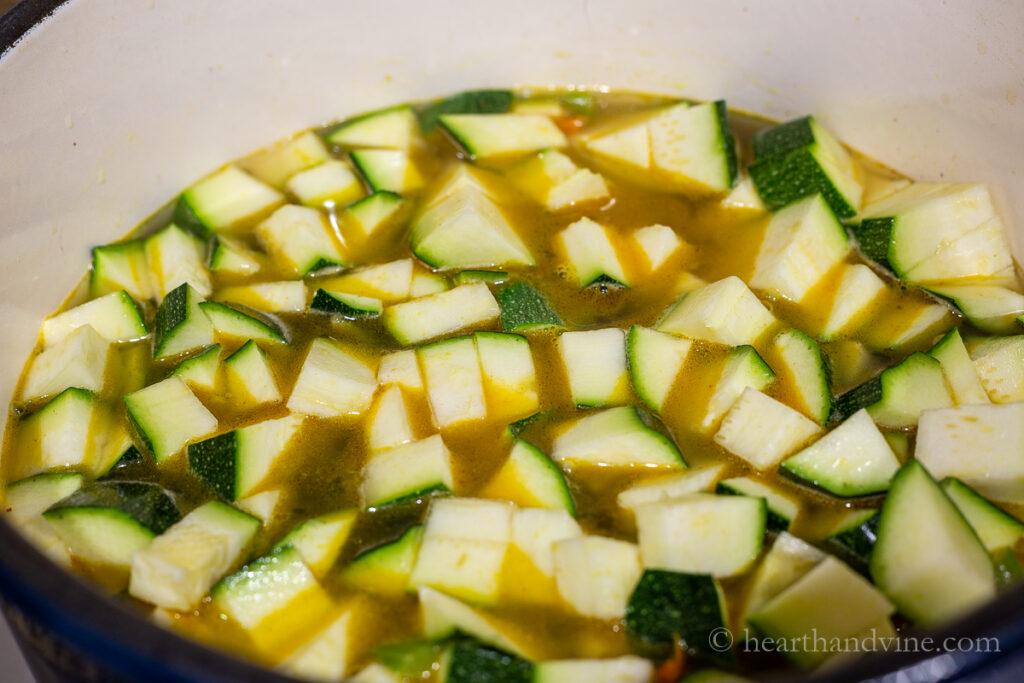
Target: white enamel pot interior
{"type": "Point", "coordinates": [108, 108]}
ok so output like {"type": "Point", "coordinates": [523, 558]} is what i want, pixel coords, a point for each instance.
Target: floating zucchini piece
{"type": "Point", "coordinates": [386, 568]}
{"type": "Point", "coordinates": [388, 170]}
{"type": "Point", "coordinates": [107, 522]}
{"type": "Point", "coordinates": [669, 606]}
{"type": "Point", "coordinates": [852, 537]}
{"type": "Point", "coordinates": [234, 463]}
{"type": "Point", "coordinates": [523, 309]}
{"type": "Point", "coordinates": [979, 445]}
{"type": "Point", "coordinates": [347, 306]}
{"type": "Point", "coordinates": [472, 662]}
{"type": "Point", "coordinates": [697, 480]}
{"type": "Point", "coordinates": [79, 360]}
{"type": "Point", "coordinates": [278, 163]}
{"type": "Point", "coordinates": [590, 252]}
{"type": "Point", "coordinates": [927, 559]}
{"type": "Point", "coordinates": [808, 609]}
{"type": "Point", "coordinates": [320, 540]}
{"type": "Point", "coordinates": [495, 136]}
{"type": "Point", "coordinates": [115, 316]}
{"type": "Point", "coordinates": [372, 214]}
{"type": "Point", "coordinates": [743, 368]}
{"type": "Point", "coordinates": [530, 479]}
{"type": "Point", "coordinates": [391, 128]}
{"type": "Point", "coordinates": [615, 437]}
{"type": "Point", "coordinates": [181, 325]}
{"type": "Point", "coordinates": [200, 371]}
{"type": "Point", "coordinates": [655, 359]}
{"type": "Point", "coordinates": [469, 102]}
{"type": "Point", "coordinates": [413, 470]}
{"type": "Point", "coordinates": [801, 158]}
{"type": "Point", "coordinates": [596, 574]}
{"type": "Point", "coordinates": [898, 396]}
{"type": "Point", "coordinates": [224, 200]}
{"type": "Point", "coordinates": [231, 321]}
{"type": "Point", "coordinates": [858, 296]}
{"type": "Point", "coordinates": [332, 183]}
{"type": "Point", "coordinates": [853, 459]}
{"type": "Point", "coordinates": [183, 563]}
{"type": "Point", "coordinates": [595, 364]}
{"type": "Point", "coordinates": [937, 233]}
{"type": "Point", "coordinates": [702, 533]}
{"type": "Point", "coordinates": [167, 416]}
{"type": "Point", "coordinates": [960, 372]}
{"type": "Point", "coordinates": [989, 308]}
{"type": "Point", "coordinates": [726, 312]}
{"type": "Point", "coordinates": [995, 527]}
{"type": "Point", "coordinates": [332, 382]}
{"type": "Point", "coordinates": [802, 243]}
{"type": "Point", "coordinates": [299, 238]}
{"type": "Point", "coordinates": [121, 266]}
{"type": "Point", "coordinates": [780, 508]}
{"type": "Point", "coordinates": [438, 314]}
{"type": "Point", "coordinates": [763, 431]}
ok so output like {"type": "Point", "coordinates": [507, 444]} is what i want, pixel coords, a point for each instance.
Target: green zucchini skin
{"type": "Point", "coordinates": [523, 308]}
{"type": "Point", "coordinates": [470, 102]}
{"type": "Point", "coordinates": [666, 606]}
{"type": "Point", "coordinates": [148, 504]}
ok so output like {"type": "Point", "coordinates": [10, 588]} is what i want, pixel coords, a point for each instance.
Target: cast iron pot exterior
{"type": "Point", "coordinates": [146, 128]}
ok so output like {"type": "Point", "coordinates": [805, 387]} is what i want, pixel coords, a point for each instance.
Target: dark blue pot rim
{"type": "Point", "coordinates": [128, 643]}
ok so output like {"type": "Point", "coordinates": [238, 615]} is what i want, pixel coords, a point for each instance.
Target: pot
{"type": "Point", "coordinates": [110, 107]}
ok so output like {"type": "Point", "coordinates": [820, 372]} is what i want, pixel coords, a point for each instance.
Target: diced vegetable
{"type": "Point", "coordinates": [116, 317]}
{"type": "Point", "coordinates": [781, 509]}
{"type": "Point", "coordinates": [701, 533]}
{"type": "Point", "coordinates": [332, 382]}
{"type": "Point", "coordinates": [595, 362]}
{"type": "Point", "coordinates": [616, 436]}
{"type": "Point", "coordinates": [763, 431]}
{"type": "Point", "coordinates": [167, 416]}
{"type": "Point", "coordinates": [655, 360]}
{"type": "Point", "coordinates": [898, 396]}
{"type": "Point", "coordinates": [523, 309]}
{"type": "Point", "coordinates": [181, 325]}
{"type": "Point", "coordinates": [412, 470]}
{"type": "Point", "coordinates": [435, 315]}
{"type": "Point", "coordinates": [596, 575]}
{"type": "Point", "coordinates": [530, 479]}
{"type": "Point", "coordinates": [725, 311]}
{"type": "Point", "coordinates": [927, 559]}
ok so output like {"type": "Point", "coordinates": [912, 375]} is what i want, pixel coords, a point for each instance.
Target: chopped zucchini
{"type": "Point", "coordinates": [510, 380]}
{"type": "Point", "coordinates": [530, 479]}
{"type": "Point", "coordinates": [524, 309]}
{"type": "Point", "coordinates": [979, 445]}
{"type": "Point", "coordinates": [659, 243]}
{"type": "Point", "coordinates": [487, 137]}
{"type": "Point", "coordinates": [228, 256]}
{"type": "Point", "coordinates": [401, 368]}
{"type": "Point", "coordinates": [320, 540]}
{"type": "Point", "coordinates": [743, 369]}
{"type": "Point", "coordinates": [801, 158]}
{"type": "Point", "coordinates": [372, 215]}
{"type": "Point", "coordinates": [389, 424]}
{"type": "Point", "coordinates": [596, 575]}
{"type": "Point", "coordinates": [235, 463]}
{"type": "Point", "coordinates": [183, 563]}
{"type": "Point", "coordinates": [470, 662]}
{"type": "Point", "coordinates": [227, 199]}
{"type": "Point", "coordinates": [615, 437]}
{"type": "Point", "coordinates": [299, 240]}
{"type": "Point", "coordinates": [937, 233]}
{"type": "Point", "coordinates": [788, 560]}
{"type": "Point", "coordinates": [780, 509]}
{"type": "Point", "coordinates": [802, 243]}
{"type": "Point", "coordinates": [385, 569]}
{"type": "Point", "coordinates": [536, 530]}
{"type": "Point", "coordinates": [167, 416]}
{"type": "Point", "coordinates": [232, 322]}
{"type": "Point", "coordinates": [655, 359]}
{"type": "Point", "coordinates": [107, 522]}
{"type": "Point", "coordinates": [469, 102]}
{"type": "Point", "coordinates": [116, 317]}
{"type": "Point", "coordinates": [346, 306]}
{"type": "Point", "coordinates": [406, 472]}
{"type": "Point", "coordinates": [667, 606]}
{"type": "Point", "coordinates": [176, 256]}
{"type": "Point", "coordinates": [332, 382]}
{"type": "Point", "coordinates": [389, 282]}
{"type": "Point", "coordinates": [278, 163]}
{"type": "Point", "coordinates": [858, 296]}
{"type": "Point", "coordinates": [201, 371]}
{"type": "Point", "coordinates": [180, 325]}
{"type": "Point", "coordinates": [439, 314]}
{"type": "Point", "coordinates": [121, 266]}
{"type": "Point", "coordinates": [989, 308]}
{"type": "Point", "coordinates": [927, 559]}
{"type": "Point", "coordinates": [1000, 366]}
{"type": "Point", "coordinates": [591, 254]}
{"type": "Point", "coordinates": [332, 183]}
{"type": "Point", "coordinates": [698, 480]}
{"type": "Point", "coordinates": [853, 459]}
{"type": "Point", "coordinates": [995, 527]}
{"type": "Point", "coordinates": [462, 227]}
{"type": "Point", "coordinates": [899, 396]}
{"type": "Point", "coordinates": [288, 296]}
{"type": "Point", "coordinates": [79, 360]}
{"type": "Point", "coordinates": [763, 431]}
{"type": "Point", "coordinates": [624, 669]}
{"type": "Point", "coordinates": [595, 363]}
{"type": "Point", "coordinates": [391, 128]}
{"type": "Point", "coordinates": [702, 533]}
{"type": "Point", "coordinates": [454, 380]}
{"type": "Point", "coordinates": [804, 373]}
{"type": "Point", "coordinates": [830, 601]}
{"type": "Point", "coordinates": [853, 535]}
{"type": "Point", "coordinates": [961, 375]}
{"type": "Point", "coordinates": [726, 312]}
{"type": "Point", "coordinates": [387, 170]}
